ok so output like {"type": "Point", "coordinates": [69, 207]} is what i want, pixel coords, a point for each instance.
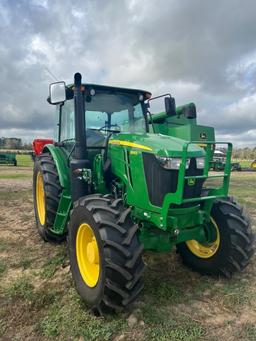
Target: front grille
{"type": "Point", "coordinates": [161, 181]}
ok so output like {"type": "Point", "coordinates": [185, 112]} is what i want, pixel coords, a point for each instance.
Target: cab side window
{"type": "Point", "coordinates": [67, 131]}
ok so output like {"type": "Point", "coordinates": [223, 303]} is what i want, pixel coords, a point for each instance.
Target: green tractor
{"type": "Point", "coordinates": [218, 162]}
{"type": "Point", "coordinates": [120, 180]}
{"type": "Point", "coordinates": [253, 165]}
{"type": "Point", "coordinates": [8, 159]}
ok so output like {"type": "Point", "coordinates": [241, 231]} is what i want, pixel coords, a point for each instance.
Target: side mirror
{"type": "Point", "coordinates": [57, 92]}
{"type": "Point", "coordinates": [170, 106]}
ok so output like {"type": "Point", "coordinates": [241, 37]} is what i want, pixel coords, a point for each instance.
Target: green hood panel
{"type": "Point", "coordinates": [162, 145]}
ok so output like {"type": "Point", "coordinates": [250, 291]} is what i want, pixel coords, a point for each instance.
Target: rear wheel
{"type": "Point", "coordinates": [46, 190]}
{"type": "Point", "coordinates": [253, 165]}
{"type": "Point", "coordinates": [232, 248]}
{"type": "Point", "coordinates": [105, 253]}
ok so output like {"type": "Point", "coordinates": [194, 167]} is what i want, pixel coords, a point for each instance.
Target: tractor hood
{"type": "Point", "coordinates": [161, 145]}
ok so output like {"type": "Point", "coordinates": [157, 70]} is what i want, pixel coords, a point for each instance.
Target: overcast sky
{"type": "Point", "coordinates": [201, 51]}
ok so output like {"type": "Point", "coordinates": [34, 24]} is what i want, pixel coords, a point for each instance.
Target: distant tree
{"type": "Point", "coordinates": [245, 153]}
{"type": "Point", "coordinates": [27, 146]}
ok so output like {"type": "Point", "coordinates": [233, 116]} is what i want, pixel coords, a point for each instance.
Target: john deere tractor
{"type": "Point", "coordinates": [119, 180]}
{"type": "Point", "coordinates": [253, 165]}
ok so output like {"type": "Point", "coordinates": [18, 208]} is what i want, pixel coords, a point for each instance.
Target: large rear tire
{"type": "Point", "coordinates": [105, 253]}
{"type": "Point", "coordinates": [233, 247]}
{"type": "Point", "coordinates": [253, 165]}
{"type": "Point", "coordinates": [47, 191]}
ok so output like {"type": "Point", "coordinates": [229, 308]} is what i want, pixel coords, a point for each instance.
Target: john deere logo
{"type": "Point", "coordinates": [191, 182]}
{"type": "Point", "coordinates": [203, 135]}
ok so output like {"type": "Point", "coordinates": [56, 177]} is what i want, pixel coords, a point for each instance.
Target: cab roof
{"type": "Point", "coordinates": [104, 88]}
{"type": "Point", "coordinates": [112, 88]}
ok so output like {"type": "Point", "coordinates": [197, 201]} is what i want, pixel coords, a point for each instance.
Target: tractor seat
{"type": "Point", "coordinates": [98, 139]}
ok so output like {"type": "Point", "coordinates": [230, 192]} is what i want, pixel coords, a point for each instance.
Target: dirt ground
{"type": "Point", "coordinates": [38, 300]}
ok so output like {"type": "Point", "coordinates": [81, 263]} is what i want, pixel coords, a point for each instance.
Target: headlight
{"type": "Point", "coordinates": [200, 161]}
{"type": "Point", "coordinates": [172, 162]}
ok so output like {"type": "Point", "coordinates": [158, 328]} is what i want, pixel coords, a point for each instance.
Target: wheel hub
{"type": "Point", "coordinates": [206, 250]}
{"type": "Point", "coordinates": [87, 254]}
{"type": "Point", "coordinates": [92, 252]}
{"type": "Point", "coordinates": [40, 198]}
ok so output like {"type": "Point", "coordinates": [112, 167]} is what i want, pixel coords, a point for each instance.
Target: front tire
{"type": "Point", "coordinates": [105, 253]}
{"type": "Point", "coordinates": [233, 247]}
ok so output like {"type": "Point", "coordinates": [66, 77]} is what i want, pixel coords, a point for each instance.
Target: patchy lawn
{"type": "Point", "coordinates": [38, 300]}
{"type": "Point", "coordinates": [24, 160]}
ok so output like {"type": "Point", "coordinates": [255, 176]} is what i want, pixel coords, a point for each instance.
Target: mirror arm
{"type": "Point", "coordinates": [60, 118]}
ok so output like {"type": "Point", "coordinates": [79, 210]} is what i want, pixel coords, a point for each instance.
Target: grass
{"type": "Point", "coordinates": [49, 268]}
{"type": "Point", "coordinates": [70, 317]}
{"type": "Point", "coordinates": [18, 172]}
{"type": "Point", "coordinates": [24, 263]}
{"type": "Point", "coordinates": [2, 267]}
{"type": "Point", "coordinates": [6, 244]}
{"type": "Point", "coordinates": [15, 176]}
{"type": "Point", "coordinates": [242, 186]}
{"type": "Point", "coordinates": [24, 160]}
{"type": "Point", "coordinates": [21, 289]}
{"type": "Point", "coordinates": [238, 294]}
{"type": "Point", "coordinates": [247, 332]}
{"type": "Point", "coordinates": [3, 327]}
{"type": "Point", "coordinates": [39, 301]}
{"type": "Point", "coordinates": [176, 329]}
{"type": "Point", "coordinates": [11, 196]}
{"type": "Point", "coordinates": [244, 163]}
{"type": "Point", "coordinates": [25, 217]}
{"type": "Point", "coordinates": [162, 292]}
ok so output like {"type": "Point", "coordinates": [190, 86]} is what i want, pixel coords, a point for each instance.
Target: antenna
{"type": "Point", "coordinates": [51, 74]}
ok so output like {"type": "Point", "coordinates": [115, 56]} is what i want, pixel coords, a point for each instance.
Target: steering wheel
{"type": "Point", "coordinates": [107, 126]}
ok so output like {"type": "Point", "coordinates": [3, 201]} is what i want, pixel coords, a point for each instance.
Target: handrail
{"type": "Point", "coordinates": [222, 191]}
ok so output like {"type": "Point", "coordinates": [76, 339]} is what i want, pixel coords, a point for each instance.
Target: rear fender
{"type": "Point", "coordinates": [61, 163]}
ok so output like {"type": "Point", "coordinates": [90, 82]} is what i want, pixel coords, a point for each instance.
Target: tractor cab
{"type": "Point", "coordinates": [108, 110]}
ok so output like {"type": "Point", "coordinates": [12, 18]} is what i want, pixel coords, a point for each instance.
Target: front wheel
{"type": "Point", "coordinates": [232, 248]}
{"type": "Point", "coordinates": [105, 253]}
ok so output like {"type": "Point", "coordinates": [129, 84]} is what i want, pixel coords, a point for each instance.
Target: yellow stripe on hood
{"type": "Point", "coordinates": [129, 144]}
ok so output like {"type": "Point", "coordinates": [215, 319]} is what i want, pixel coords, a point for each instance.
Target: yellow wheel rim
{"type": "Point", "coordinates": [40, 198]}
{"type": "Point", "coordinates": [205, 250]}
{"type": "Point", "coordinates": [87, 253]}
{"type": "Point", "coordinates": [253, 165]}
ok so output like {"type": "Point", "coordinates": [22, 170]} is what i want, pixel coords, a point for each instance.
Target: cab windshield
{"type": "Point", "coordinates": [104, 113]}
{"type": "Point", "coordinates": [115, 112]}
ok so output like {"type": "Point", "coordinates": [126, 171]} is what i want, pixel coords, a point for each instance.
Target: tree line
{"type": "Point", "coordinates": [245, 153]}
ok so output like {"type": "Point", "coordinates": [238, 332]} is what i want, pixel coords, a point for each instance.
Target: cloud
{"type": "Point", "coordinates": [246, 139]}
{"type": "Point", "coordinates": [199, 51]}
{"type": "Point", "coordinates": [236, 118]}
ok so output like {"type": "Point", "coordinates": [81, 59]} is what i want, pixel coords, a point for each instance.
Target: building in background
{"type": "Point", "coordinates": [10, 143]}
